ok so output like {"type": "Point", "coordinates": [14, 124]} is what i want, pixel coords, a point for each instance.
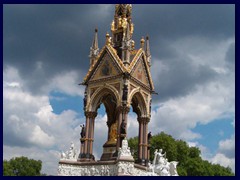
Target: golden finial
{"type": "Point", "coordinates": [142, 42]}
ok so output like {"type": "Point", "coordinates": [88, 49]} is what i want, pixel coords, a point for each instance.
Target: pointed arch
{"type": "Point", "coordinates": [136, 99]}
{"type": "Point", "coordinates": [102, 91]}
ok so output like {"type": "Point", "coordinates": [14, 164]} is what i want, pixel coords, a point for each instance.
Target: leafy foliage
{"type": "Point", "coordinates": [190, 161]}
{"type": "Point", "coordinates": [22, 166]}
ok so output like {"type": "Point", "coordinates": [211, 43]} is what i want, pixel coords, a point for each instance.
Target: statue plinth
{"type": "Point", "coordinates": [109, 149]}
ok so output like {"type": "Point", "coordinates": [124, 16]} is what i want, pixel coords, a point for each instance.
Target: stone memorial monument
{"type": "Point", "coordinates": [119, 77]}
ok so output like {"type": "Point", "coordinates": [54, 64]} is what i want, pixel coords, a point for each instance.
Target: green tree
{"type": "Point", "coordinates": [189, 158]}
{"type": "Point", "coordinates": [194, 152]}
{"type": "Point", "coordinates": [133, 143]}
{"type": "Point", "coordinates": [22, 166]}
{"type": "Point", "coordinates": [182, 152]}
{"type": "Point", "coordinates": [166, 143]}
{"type": "Point", "coordinates": [7, 169]}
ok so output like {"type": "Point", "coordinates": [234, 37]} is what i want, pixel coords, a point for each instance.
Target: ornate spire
{"type": "Point", "coordinates": [122, 27]}
{"type": "Point", "coordinates": [95, 40]}
{"type": "Point", "coordinates": [124, 10]}
{"type": "Point", "coordinates": [94, 50]}
{"type": "Point", "coordinates": [147, 51]}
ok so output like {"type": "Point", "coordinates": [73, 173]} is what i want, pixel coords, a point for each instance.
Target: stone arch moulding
{"type": "Point", "coordinates": [98, 94]}
{"type": "Point", "coordinates": [137, 91]}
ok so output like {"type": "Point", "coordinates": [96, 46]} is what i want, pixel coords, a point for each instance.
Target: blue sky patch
{"type": "Point", "coordinates": [214, 132]}
{"type": "Point", "coordinates": [60, 102]}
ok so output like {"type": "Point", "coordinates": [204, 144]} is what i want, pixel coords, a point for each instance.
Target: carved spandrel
{"type": "Point", "coordinates": [117, 86]}
{"type": "Point", "coordinates": [93, 90]}
{"type": "Point", "coordinates": [132, 87]}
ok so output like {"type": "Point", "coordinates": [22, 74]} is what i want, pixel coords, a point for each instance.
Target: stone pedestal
{"type": "Point", "coordinates": [109, 151]}
{"type": "Point", "coordinates": [122, 166]}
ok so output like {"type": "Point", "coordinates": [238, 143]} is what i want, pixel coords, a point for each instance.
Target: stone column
{"type": "Point", "coordinates": [122, 115]}
{"type": "Point", "coordinates": [86, 137]}
{"type": "Point", "coordinates": [125, 111]}
{"type": "Point", "coordinates": [143, 140]}
{"type": "Point", "coordinates": [140, 139]}
{"type": "Point", "coordinates": [91, 139]}
{"type": "Point", "coordinates": [146, 140]}
{"type": "Point", "coordinates": [86, 150]}
{"type": "Point", "coordinates": [119, 120]}
{"type": "Point", "coordinates": [92, 116]}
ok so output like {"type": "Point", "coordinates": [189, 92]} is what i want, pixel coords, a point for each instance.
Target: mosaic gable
{"type": "Point", "coordinates": [140, 73]}
{"type": "Point", "coordinates": [105, 69]}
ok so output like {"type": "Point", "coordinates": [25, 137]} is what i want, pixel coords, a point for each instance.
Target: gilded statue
{"type": "Point", "coordinates": [132, 28]}
{"type": "Point", "coordinates": [113, 26]}
{"type": "Point", "coordinates": [124, 23]}
{"type": "Point", "coordinates": [113, 134]}
{"type": "Point", "coordinates": [119, 22]}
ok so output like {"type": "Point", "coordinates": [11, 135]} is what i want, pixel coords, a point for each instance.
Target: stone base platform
{"type": "Point", "coordinates": [123, 166]}
{"type": "Point", "coordinates": [101, 168]}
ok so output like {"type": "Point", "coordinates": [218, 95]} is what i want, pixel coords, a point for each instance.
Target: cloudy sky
{"type": "Point", "coordinates": [45, 57]}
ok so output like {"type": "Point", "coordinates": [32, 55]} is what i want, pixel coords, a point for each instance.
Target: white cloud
{"type": "Point", "coordinates": [221, 159]}
{"type": "Point", "coordinates": [45, 114]}
{"type": "Point", "coordinates": [67, 83]}
{"type": "Point", "coordinates": [100, 135]}
{"type": "Point", "coordinates": [227, 147]}
{"type": "Point", "coordinates": [133, 125]}
{"type": "Point", "coordinates": [204, 52]}
{"type": "Point", "coordinates": [29, 124]}
{"type": "Point", "coordinates": [225, 155]}
{"type": "Point", "coordinates": [208, 103]}
{"type": "Point", "coordinates": [39, 137]}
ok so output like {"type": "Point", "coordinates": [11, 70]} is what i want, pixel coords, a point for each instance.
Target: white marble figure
{"type": "Point", "coordinates": [161, 166]}
{"type": "Point", "coordinates": [63, 155]}
{"type": "Point", "coordinates": [124, 150]}
{"type": "Point", "coordinates": [150, 168]}
{"type": "Point", "coordinates": [71, 154]}
{"type": "Point", "coordinates": [165, 168]}
{"type": "Point", "coordinates": [173, 168]}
